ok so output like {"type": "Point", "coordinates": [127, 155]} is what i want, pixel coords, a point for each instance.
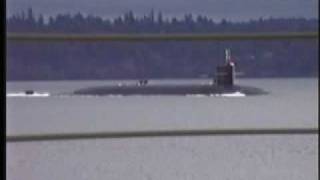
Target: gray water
{"type": "Point", "coordinates": [290, 103]}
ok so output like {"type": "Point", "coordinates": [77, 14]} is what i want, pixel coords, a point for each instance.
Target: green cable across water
{"type": "Point", "coordinates": [160, 133]}
{"type": "Point", "coordinates": [160, 37]}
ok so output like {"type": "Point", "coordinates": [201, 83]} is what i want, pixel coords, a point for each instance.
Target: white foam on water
{"type": "Point", "coordinates": [235, 94]}
{"type": "Point", "coordinates": [47, 94]}
{"type": "Point", "coordinates": [23, 94]}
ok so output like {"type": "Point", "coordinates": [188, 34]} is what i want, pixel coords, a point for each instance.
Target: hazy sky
{"type": "Point", "coordinates": [217, 9]}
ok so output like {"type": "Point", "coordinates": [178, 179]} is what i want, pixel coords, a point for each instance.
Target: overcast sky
{"type": "Point", "coordinates": [216, 9]}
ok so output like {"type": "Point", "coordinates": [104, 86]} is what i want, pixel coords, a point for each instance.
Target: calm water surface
{"type": "Point", "coordinates": [290, 103]}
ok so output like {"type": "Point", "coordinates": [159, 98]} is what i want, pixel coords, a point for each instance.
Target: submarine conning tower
{"type": "Point", "coordinates": [224, 75]}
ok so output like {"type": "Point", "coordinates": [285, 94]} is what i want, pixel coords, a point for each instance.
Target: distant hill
{"type": "Point", "coordinates": [108, 60]}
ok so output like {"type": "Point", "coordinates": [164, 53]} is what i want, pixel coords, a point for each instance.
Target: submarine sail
{"type": "Point", "coordinates": [225, 74]}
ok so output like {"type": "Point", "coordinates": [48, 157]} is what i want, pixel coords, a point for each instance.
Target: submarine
{"type": "Point", "coordinates": [223, 82]}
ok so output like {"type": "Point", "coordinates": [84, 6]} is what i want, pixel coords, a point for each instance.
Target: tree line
{"type": "Point", "coordinates": [109, 60]}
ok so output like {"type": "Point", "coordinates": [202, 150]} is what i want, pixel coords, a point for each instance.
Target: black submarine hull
{"type": "Point", "coordinates": [209, 89]}
{"type": "Point", "coordinates": [223, 83]}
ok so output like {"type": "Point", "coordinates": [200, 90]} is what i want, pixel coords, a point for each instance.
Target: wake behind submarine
{"type": "Point", "coordinates": [223, 83]}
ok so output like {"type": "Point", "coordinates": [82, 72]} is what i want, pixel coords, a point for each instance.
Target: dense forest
{"type": "Point", "coordinates": [130, 60]}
